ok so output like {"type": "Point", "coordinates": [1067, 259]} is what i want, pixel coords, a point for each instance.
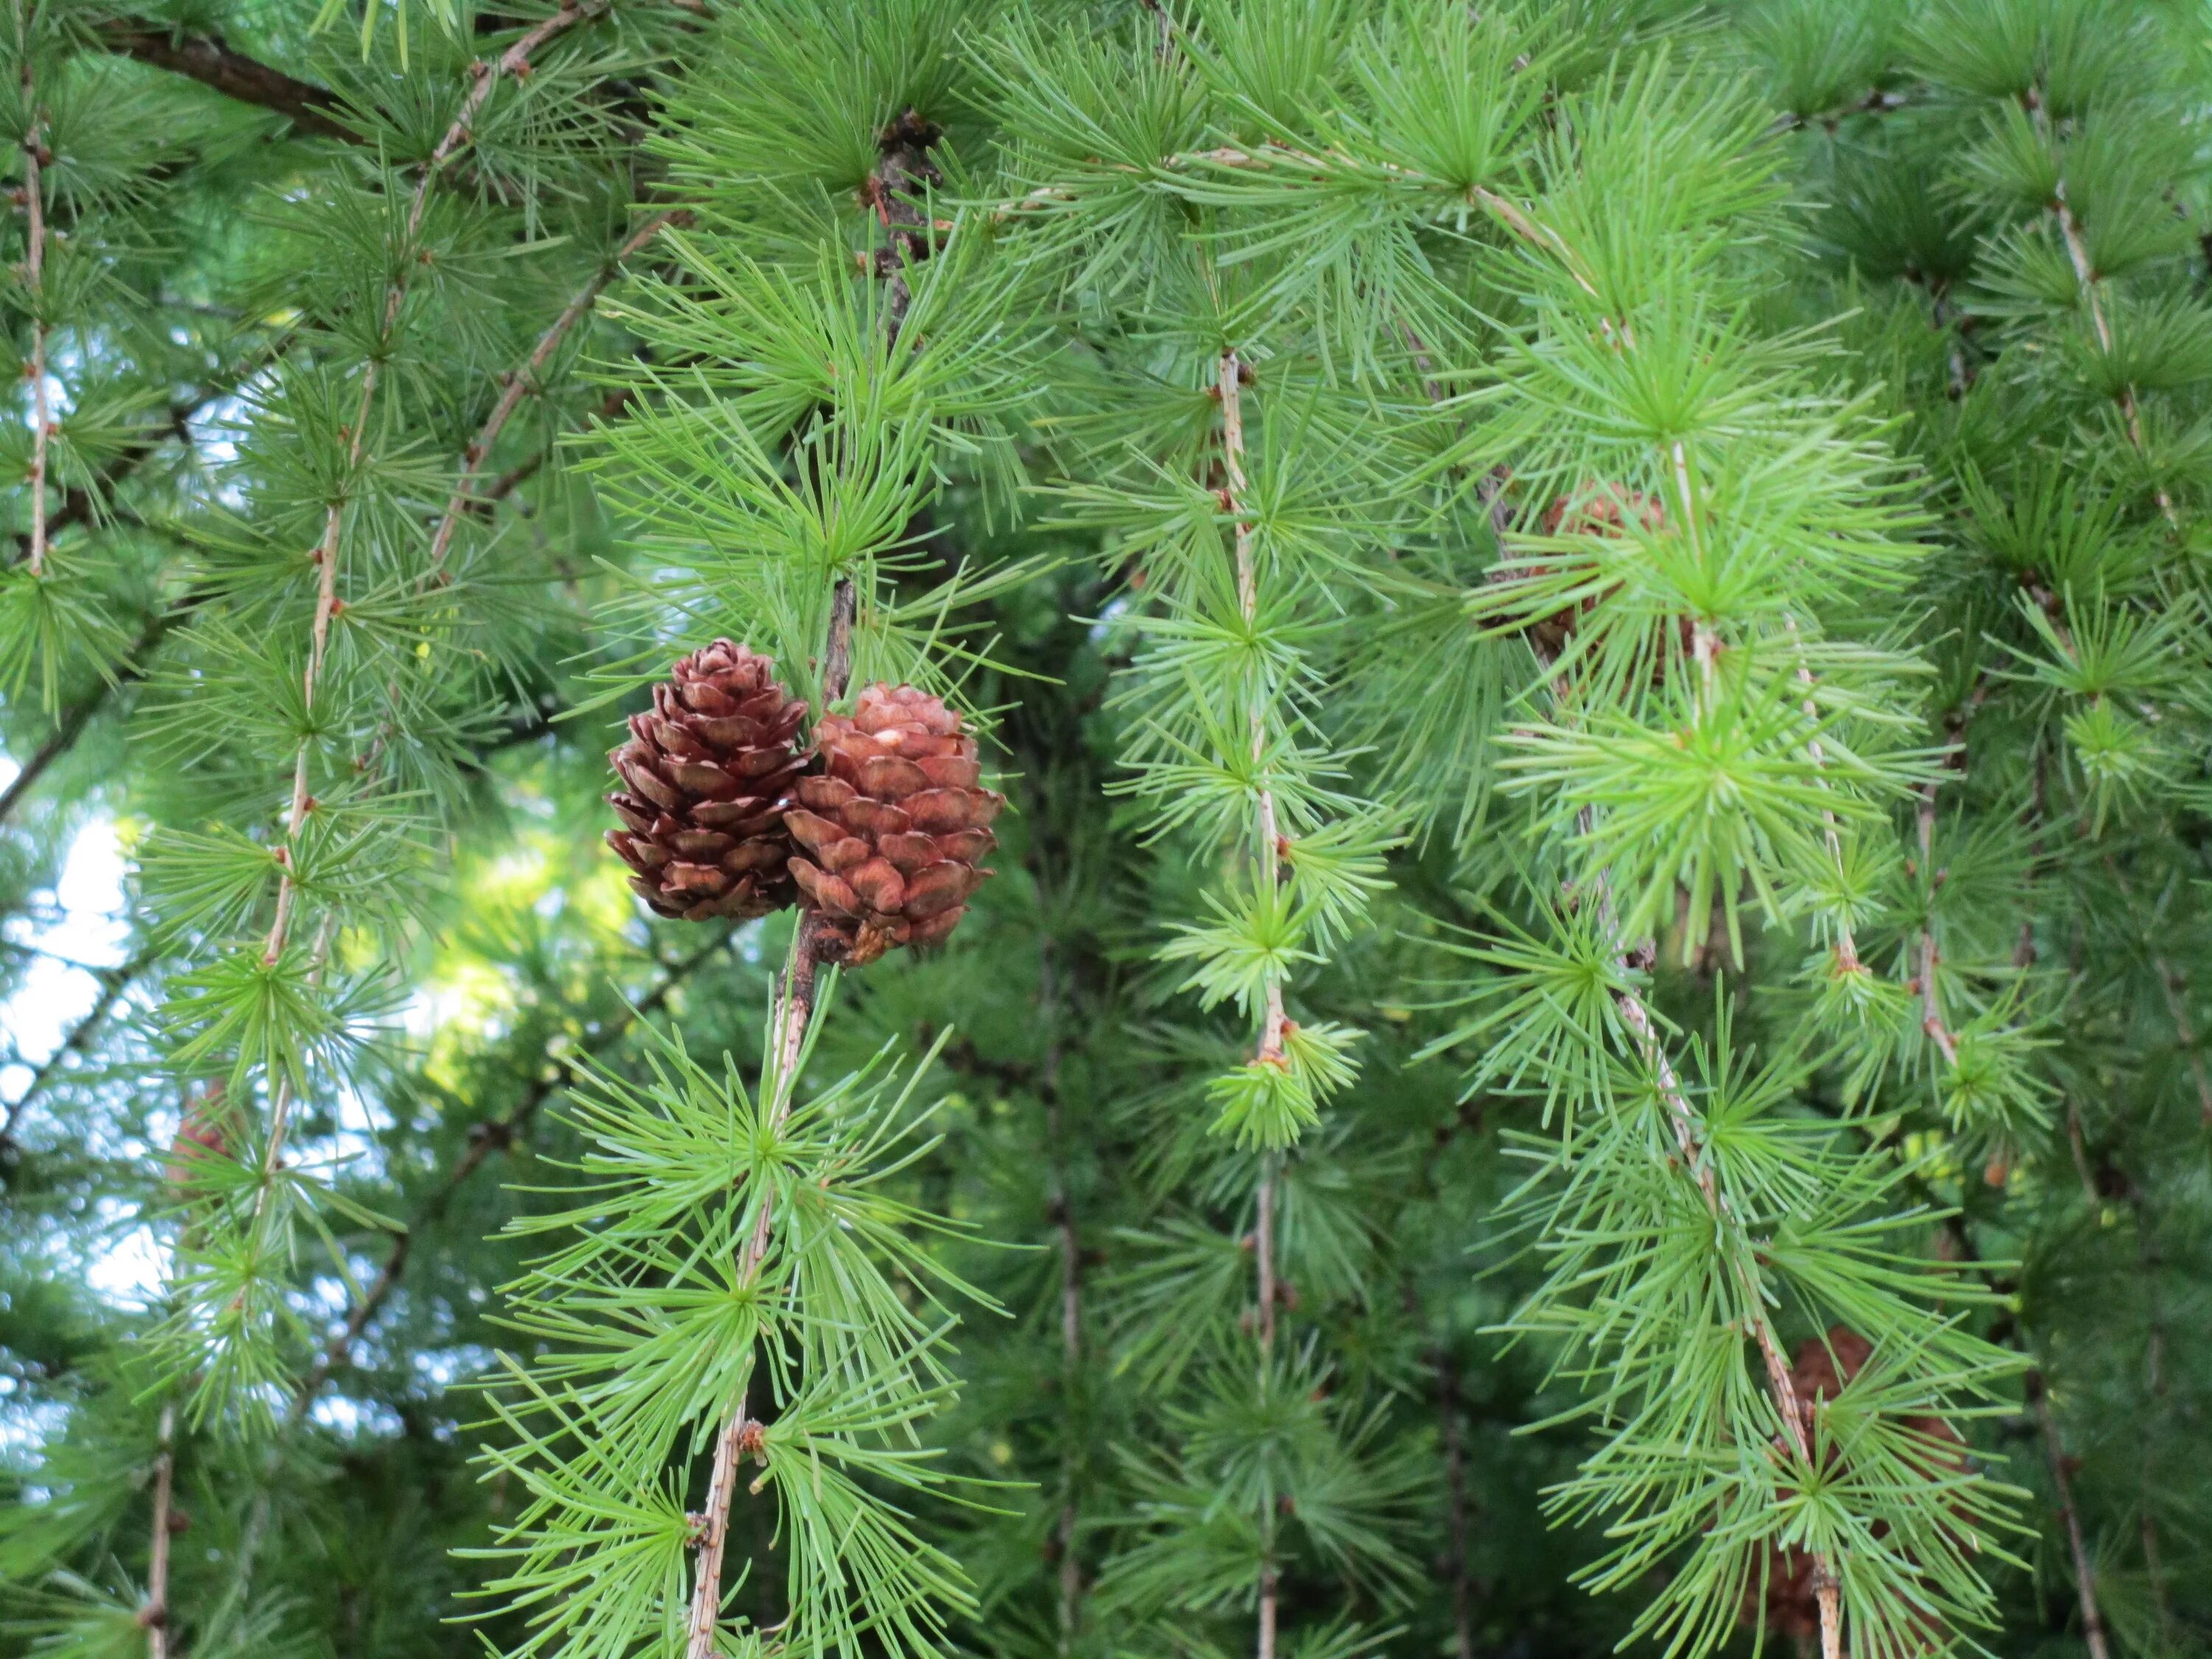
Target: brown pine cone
{"type": "Point", "coordinates": [1603, 514]}
{"type": "Point", "coordinates": [890, 830]}
{"type": "Point", "coordinates": [708, 775]}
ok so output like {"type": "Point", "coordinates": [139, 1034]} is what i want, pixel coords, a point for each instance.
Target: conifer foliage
{"type": "Point", "coordinates": [1574, 632]}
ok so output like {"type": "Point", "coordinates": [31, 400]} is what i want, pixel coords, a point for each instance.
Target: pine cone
{"type": "Point", "coordinates": [709, 775]}
{"type": "Point", "coordinates": [892, 828]}
{"type": "Point", "coordinates": [1603, 514]}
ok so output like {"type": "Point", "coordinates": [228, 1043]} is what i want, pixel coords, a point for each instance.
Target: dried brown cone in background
{"type": "Point", "coordinates": [1818, 1371]}
{"type": "Point", "coordinates": [707, 776]}
{"type": "Point", "coordinates": [891, 828]}
{"type": "Point", "coordinates": [1604, 513]}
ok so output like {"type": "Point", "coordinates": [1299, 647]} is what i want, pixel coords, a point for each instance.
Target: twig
{"type": "Point", "coordinates": [1448, 1412]}
{"type": "Point", "coordinates": [2171, 981]}
{"type": "Point", "coordinates": [80, 503]}
{"type": "Point", "coordinates": [1236, 498]}
{"type": "Point", "coordinates": [1847, 945]}
{"type": "Point", "coordinates": [79, 715]}
{"type": "Point", "coordinates": [34, 267]}
{"type": "Point", "coordinates": [2091, 281]}
{"type": "Point", "coordinates": [1954, 762]}
{"type": "Point", "coordinates": [524, 381]}
{"type": "Point", "coordinates": [154, 1615]}
{"type": "Point", "coordinates": [2085, 1570]}
{"type": "Point", "coordinates": [795, 1007]}
{"type": "Point", "coordinates": [493, 1135]}
{"type": "Point", "coordinates": [113, 981]}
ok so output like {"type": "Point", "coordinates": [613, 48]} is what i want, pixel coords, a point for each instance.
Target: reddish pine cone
{"type": "Point", "coordinates": [708, 775]}
{"type": "Point", "coordinates": [889, 831]}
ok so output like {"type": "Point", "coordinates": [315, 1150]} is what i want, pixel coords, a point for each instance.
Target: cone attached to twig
{"type": "Point", "coordinates": [707, 776]}
{"type": "Point", "coordinates": [889, 832]}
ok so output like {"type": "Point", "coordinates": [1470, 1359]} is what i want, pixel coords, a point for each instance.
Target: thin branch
{"type": "Point", "coordinates": [1455, 1430]}
{"type": "Point", "coordinates": [514, 61]}
{"type": "Point", "coordinates": [84, 503]}
{"type": "Point", "coordinates": [1235, 496]}
{"type": "Point", "coordinates": [208, 59]}
{"type": "Point", "coordinates": [794, 1009]}
{"type": "Point", "coordinates": [133, 668]}
{"type": "Point", "coordinates": [524, 380]}
{"type": "Point", "coordinates": [153, 1615]}
{"type": "Point", "coordinates": [1932, 1020]}
{"type": "Point", "coordinates": [35, 157]}
{"type": "Point", "coordinates": [1687, 1128]}
{"type": "Point", "coordinates": [113, 982]}
{"type": "Point", "coordinates": [1847, 945]}
{"type": "Point", "coordinates": [2091, 281]}
{"type": "Point", "coordinates": [2061, 1480]}
{"type": "Point", "coordinates": [493, 1135]}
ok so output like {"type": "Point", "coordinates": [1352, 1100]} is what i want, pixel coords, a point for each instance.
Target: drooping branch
{"type": "Point", "coordinates": [1236, 497]}
{"type": "Point", "coordinates": [492, 1136]}
{"type": "Point", "coordinates": [512, 63]}
{"type": "Point", "coordinates": [2090, 280]}
{"type": "Point", "coordinates": [212, 62]}
{"type": "Point", "coordinates": [1685, 1126]}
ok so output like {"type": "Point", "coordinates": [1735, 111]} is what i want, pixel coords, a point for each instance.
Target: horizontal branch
{"type": "Point", "coordinates": [212, 62]}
